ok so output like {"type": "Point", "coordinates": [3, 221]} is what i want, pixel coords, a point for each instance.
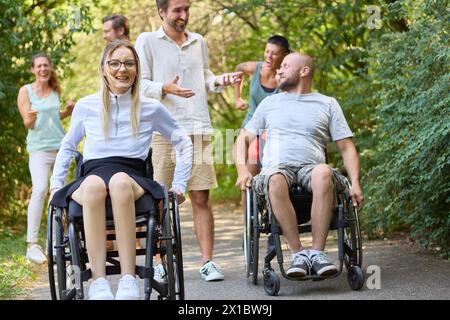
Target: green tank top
{"type": "Point", "coordinates": [257, 93]}
{"type": "Point", "coordinates": [48, 132]}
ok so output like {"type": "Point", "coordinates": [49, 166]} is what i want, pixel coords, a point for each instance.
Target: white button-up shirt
{"type": "Point", "coordinates": [161, 60]}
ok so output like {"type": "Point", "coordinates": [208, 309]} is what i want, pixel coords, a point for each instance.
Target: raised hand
{"type": "Point", "coordinates": [229, 79]}
{"type": "Point", "coordinates": [241, 104]}
{"type": "Point", "coordinates": [32, 115]}
{"type": "Point", "coordinates": [69, 106]}
{"type": "Point", "coordinates": [175, 89]}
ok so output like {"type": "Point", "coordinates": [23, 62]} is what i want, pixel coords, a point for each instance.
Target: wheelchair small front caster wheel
{"type": "Point", "coordinates": [271, 283]}
{"type": "Point", "coordinates": [355, 277]}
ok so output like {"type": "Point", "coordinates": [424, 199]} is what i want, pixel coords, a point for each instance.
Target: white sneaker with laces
{"type": "Point", "coordinates": [322, 266]}
{"type": "Point", "coordinates": [100, 290]}
{"type": "Point", "coordinates": [160, 274]}
{"type": "Point", "coordinates": [35, 254]}
{"type": "Point", "coordinates": [128, 288]}
{"type": "Point", "coordinates": [211, 272]}
{"type": "Point", "coordinates": [300, 265]}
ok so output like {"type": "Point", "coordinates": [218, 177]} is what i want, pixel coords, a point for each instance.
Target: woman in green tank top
{"type": "Point", "coordinates": [262, 84]}
{"type": "Point", "coordinates": [39, 106]}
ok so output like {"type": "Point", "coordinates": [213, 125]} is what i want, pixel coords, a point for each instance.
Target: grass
{"type": "Point", "coordinates": [15, 272]}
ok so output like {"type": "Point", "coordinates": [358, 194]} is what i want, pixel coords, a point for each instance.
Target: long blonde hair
{"type": "Point", "coordinates": [104, 89]}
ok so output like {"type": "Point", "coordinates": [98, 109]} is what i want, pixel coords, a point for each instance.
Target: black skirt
{"type": "Point", "coordinates": [105, 168]}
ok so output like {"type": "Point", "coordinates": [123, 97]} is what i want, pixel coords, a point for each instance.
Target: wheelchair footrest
{"type": "Point", "coordinates": [143, 272]}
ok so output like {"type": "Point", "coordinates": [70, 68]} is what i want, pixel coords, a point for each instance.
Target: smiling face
{"type": "Point", "coordinates": [297, 69]}
{"type": "Point", "coordinates": [41, 69]}
{"type": "Point", "coordinates": [177, 15]}
{"type": "Point", "coordinates": [273, 55]}
{"type": "Point", "coordinates": [288, 74]}
{"type": "Point", "coordinates": [120, 70]}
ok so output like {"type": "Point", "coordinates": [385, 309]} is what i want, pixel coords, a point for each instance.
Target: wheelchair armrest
{"type": "Point", "coordinates": [149, 165]}
{"type": "Point", "coordinates": [78, 164]}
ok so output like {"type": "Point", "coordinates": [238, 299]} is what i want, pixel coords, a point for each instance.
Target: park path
{"type": "Point", "coordinates": [407, 271]}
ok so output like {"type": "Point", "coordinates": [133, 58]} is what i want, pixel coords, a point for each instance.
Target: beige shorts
{"type": "Point", "coordinates": [203, 175]}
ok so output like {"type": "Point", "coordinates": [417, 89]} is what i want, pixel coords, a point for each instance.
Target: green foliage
{"type": "Point", "coordinates": [15, 271]}
{"type": "Point", "coordinates": [391, 82]}
{"type": "Point", "coordinates": [27, 27]}
{"type": "Point", "coordinates": [409, 184]}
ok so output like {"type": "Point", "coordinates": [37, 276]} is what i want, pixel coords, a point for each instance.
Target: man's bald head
{"type": "Point", "coordinates": [295, 68]}
{"type": "Point", "coordinates": [302, 60]}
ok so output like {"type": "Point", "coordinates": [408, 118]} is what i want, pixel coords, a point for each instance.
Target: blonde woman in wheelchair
{"type": "Point", "coordinates": [118, 124]}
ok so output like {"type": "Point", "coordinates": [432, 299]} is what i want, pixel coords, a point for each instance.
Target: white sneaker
{"type": "Point", "coordinates": [100, 290]}
{"type": "Point", "coordinates": [35, 254]}
{"type": "Point", "coordinates": [160, 274]}
{"type": "Point", "coordinates": [128, 288]}
{"type": "Point", "coordinates": [322, 266]}
{"type": "Point", "coordinates": [211, 272]}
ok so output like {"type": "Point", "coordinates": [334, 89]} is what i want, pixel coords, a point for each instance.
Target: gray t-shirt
{"type": "Point", "coordinates": [298, 127]}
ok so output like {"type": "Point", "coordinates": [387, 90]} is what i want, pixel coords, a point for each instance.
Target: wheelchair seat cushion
{"type": "Point", "coordinates": [142, 205]}
{"type": "Point", "coordinates": [301, 201]}
{"type": "Point", "coordinates": [105, 168]}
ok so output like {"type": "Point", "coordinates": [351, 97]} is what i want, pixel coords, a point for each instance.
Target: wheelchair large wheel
{"type": "Point", "coordinates": [171, 245]}
{"type": "Point", "coordinates": [251, 237]}
{"type": "Point", "coordinates": [50, 247]}
{"type": "Point", "coordinates": [177, 250]}
{"type": "Point", "coordinates": [352, 237]}
{"type": "Point", "coordinates": [255, 240]}
{"type": "Point", "coordinates": [63, 258]}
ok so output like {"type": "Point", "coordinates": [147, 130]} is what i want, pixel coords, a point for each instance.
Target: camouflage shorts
{"type": "Point", "coordinates": [294, 176]}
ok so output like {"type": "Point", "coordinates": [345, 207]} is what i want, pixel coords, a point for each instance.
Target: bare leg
{"type": "Point", "coordinates": [323, 191]}
{"type": "Point", "coordinates": [91, 195]}
{"type": "Point", "coordinates": [123, 191]}
{"type": "Point", "coordinates": [284, 211]}
{"type": "Point", "coordinates": [203, 222]}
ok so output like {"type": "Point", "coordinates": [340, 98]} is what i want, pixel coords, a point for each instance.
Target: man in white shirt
{"type": "Point", "coordinates": [299, 123]}
{"type": "Point", "coordinates": [175, 70]}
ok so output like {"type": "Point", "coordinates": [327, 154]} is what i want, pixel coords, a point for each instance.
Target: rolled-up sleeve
{"type": "Point", "coordinates": [149, 88]}
{"type": "Point", "coordinates": [210, 78]}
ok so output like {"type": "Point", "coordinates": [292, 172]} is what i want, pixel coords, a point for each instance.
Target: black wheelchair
{"type": "Point", "coordinates": [67, 255]}
{"type": "Point", "coordinates": [258, 220]}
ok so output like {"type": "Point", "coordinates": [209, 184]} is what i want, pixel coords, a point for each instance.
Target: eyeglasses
{"type": "Point", "coordinates": [116, 64]}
